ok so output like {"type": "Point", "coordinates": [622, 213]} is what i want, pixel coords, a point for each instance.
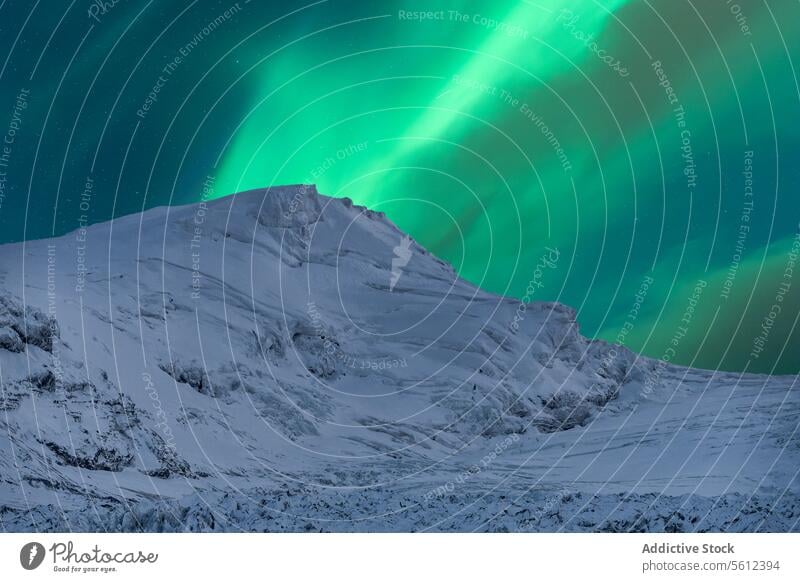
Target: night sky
{"type": "Point", "coordinates": [652, 144]}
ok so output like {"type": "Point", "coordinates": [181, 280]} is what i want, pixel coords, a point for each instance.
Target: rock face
{"type": "Point", "coordinates": [283, 361]}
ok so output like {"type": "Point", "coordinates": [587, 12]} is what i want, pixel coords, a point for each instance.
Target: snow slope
{"type": "Point", "coordinates": [283, 361]}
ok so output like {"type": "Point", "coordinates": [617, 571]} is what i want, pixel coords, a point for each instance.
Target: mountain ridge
{"type": "Point", "coordinates": [257, 350]}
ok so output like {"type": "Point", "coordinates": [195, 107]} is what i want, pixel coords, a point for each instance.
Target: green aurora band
{"type": "Point", "coordinates": [652, 143]}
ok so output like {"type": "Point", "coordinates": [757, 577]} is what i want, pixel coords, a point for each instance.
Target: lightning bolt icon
{"type": "Point", "coordinates": [32, 554]}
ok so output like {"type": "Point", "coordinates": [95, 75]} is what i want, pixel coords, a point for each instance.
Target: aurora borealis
{"type": "Point", "coordinates": [654, 144]}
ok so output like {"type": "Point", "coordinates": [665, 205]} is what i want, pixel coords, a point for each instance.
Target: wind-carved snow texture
{"type": "Point", "coordinates": [270, 362]}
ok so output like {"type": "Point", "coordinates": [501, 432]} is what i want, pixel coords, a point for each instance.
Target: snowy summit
{"type": "Point", "coordinates": [279, 360]}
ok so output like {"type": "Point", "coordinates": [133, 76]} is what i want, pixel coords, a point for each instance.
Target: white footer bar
{"type": "Point", "coordinates": [388, 557]}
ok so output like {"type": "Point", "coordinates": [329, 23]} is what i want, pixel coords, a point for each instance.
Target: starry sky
{"type": "Point", "coordinates": [652, 144]}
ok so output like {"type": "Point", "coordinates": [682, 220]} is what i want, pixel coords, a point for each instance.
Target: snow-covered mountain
{"type": "Point", "coordinates": [280, 360]}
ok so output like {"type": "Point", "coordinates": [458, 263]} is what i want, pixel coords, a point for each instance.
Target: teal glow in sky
{"type": "Point", "coordinates": [654, 144]}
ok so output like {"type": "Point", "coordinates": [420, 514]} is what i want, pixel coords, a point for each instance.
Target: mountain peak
{"type": "Point", "coordinates": [280, 336]}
